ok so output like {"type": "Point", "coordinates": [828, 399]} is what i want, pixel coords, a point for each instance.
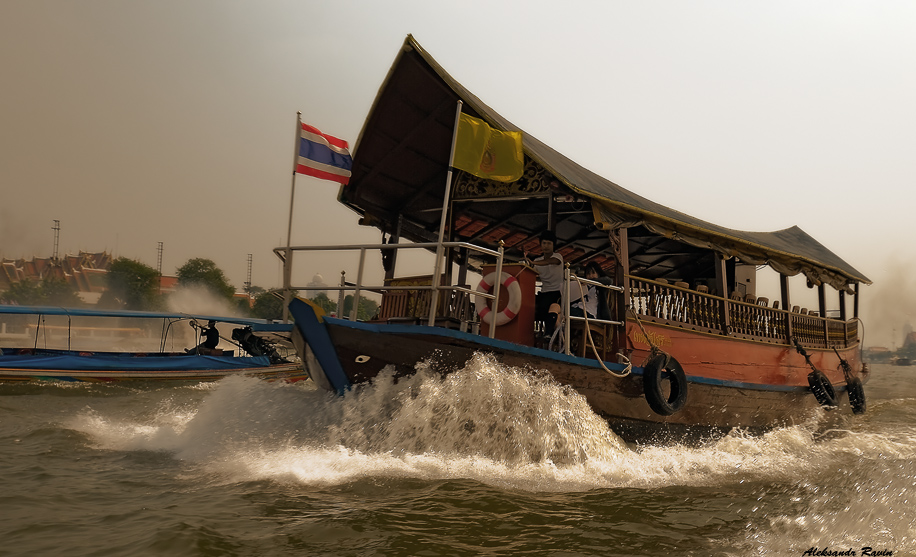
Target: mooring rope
{"type": "Point", "coordinates": [591, 341]}
{"type": "Point", "coordinates": [847, 369]}
{"type": "Point", "coordinates": [653, 349]}
{"type": "Point", "coordinates": [803, 352]}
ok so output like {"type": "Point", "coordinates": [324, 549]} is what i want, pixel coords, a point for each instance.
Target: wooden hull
{"type": "Point", "coordinates": [730, 384]}
{"type": "Point", "coordinates": [721, 358]}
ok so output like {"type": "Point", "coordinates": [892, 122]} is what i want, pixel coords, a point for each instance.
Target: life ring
{"type": "Point", "coordinates": [512, 308]}
{"type": "Point", "coordinates": [659, 368]}
{"type": "Point", "coordinates": [822, 388]}
{"type": "Point", "coordinates": [856, 395]}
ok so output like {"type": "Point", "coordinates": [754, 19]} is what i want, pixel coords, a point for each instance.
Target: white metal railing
{"type": "Point", "coordinates": [569, 278]}
{"type": "Point", "coordinates": [286, 254]}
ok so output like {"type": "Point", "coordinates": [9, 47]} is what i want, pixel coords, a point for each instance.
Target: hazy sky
{"type": "Point", "coordinates": [138, 122]}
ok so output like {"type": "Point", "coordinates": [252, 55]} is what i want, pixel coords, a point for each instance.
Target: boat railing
{"type": "Point", "coordinates": [423, 298]}
{"type": "Point", "coordinates": [590, 326]}
{"type": "Point", "coordinates": [751, 319]}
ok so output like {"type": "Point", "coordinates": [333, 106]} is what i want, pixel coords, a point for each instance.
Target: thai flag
{"type": "Point", "coordinates": [323, 156]}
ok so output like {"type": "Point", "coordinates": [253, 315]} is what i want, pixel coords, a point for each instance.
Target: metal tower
{"type": "Point", "coordinates": [248, 282]}
{"type": "Point", "coordinates": [159, 266]}
{"type": "Point", "coordinates": [56, 229]}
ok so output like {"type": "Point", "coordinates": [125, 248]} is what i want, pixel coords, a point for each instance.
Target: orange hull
{"type": "Point", "coordinates": [723, 358]}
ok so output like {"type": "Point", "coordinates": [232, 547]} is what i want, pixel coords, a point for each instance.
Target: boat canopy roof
{"type": "Point", "coordinates": [255, 324]}
{"type": "Point", "coordinates": [399, 172]}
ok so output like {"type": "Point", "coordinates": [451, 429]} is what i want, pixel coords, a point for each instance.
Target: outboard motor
{"type": "Point", "coordinates": [255, 345]}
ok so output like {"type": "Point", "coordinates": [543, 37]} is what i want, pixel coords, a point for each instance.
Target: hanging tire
{"type": "Point", "coordinates": [660, 368]}
{"type": "Point", "coordinates": [822, 389]}
{"type": "Point", "coordinates": [856, 393]}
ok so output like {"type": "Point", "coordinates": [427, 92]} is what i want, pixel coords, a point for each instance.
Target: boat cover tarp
{"type": "Point", "coordinates": [127, 362]}
{"type": "Point", "coordinates": [255, 324]}
{"type": "Point", "coordinates": [416, 78]}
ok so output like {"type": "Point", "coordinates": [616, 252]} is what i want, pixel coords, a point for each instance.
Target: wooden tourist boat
{"type": "Point", "coordinates": [66, 344]}
{"type": "Point", "coordinates": [691, 346]}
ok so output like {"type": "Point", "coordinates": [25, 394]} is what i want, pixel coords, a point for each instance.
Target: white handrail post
{"type": "Point", "coordinates": [359, 282]}
{"type": "Point", "coordinates": [340, 295]}
{"type": "Point", "coordinates": [497, 285]}
{"type": "Point", "coordinates": [567, 327]}
{"type": "Point", "coordinates": [443, 220]}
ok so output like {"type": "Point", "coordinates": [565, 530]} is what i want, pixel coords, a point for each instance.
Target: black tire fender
{"type": "Point", "coordinates": [822, 389]}
{"type": "Point", "coordinates": [856, 393]}
{"type": "Point", "coordinates": [660, 368]}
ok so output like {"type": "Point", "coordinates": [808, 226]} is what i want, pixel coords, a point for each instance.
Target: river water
{"type": "Point", "coordinates": [489, 461]}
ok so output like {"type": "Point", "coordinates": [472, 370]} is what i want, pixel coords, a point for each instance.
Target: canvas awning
{"type": "Point", "coordinates": [401, 157]}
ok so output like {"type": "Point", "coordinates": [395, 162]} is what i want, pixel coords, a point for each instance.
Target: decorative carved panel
{"type": "Point", "coordinates": [534, 181]}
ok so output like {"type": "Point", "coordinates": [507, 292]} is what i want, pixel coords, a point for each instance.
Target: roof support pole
{"type": "Point", "coordinates": [392, 254]}
{"type": "Point", "coordinates": [443, 220]}
{"type": "Point", "coordinates": [551, 225]}
{"type": "Point", "coordinates": [786, 305]}
{"type": "Point", "coordinates": [822, 307]}
{"type": "Point", "coordinates": [462, 267]}
{"type": "Point", "coordinates": [822, 299]}
{"type": "Point", "coordinates": [842, 294]}
{"type": "Point", "coordinates": [722, 288]}
{"type": "Point", "coordinates": [855, 303]}
{"type": "Point", "coordinates": [843, 305]}
{"type": "Point", "coordinates": [621, 274]}
{"type": "Point", "coordinates": [450, 253]}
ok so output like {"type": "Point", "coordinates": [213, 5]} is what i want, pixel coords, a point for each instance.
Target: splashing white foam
{"type": "Point", "coordinates": [485, 410]}
{"type": "Point", "coordinates": [502, 426]}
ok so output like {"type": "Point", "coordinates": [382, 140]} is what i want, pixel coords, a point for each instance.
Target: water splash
{"type": "Point", "coordinates": [486, 410]}
{"type": "Point", "coordinates": [518, 436]}
{"type": "Point", "coordinates": [502, 426]}
{"type": "Point", "coordinates": [197, 299]}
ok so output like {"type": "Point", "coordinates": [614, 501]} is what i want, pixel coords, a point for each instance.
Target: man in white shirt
{"type": "Point", "coordinates": [549, 267]}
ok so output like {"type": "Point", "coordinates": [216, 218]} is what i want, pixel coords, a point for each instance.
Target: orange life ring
{"type": "Point", "coordinates": [512, 308]}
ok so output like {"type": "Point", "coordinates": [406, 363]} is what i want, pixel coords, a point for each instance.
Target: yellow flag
{"type": "Point", "coordinates": [488, 153]}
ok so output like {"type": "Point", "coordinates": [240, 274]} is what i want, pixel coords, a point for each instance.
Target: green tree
{"type": "Point", "coordinates": [204, 272]}
{"type": "Point", "coordinates": [59, 292]}
{"type": "Point", "coordinates": [366, 311]}
{"type": "Point", "coordinates": [254, 291]}
{"type": "Point", "coordinates": [329, 306]}
{"type": "Point", "coordinates": [24, 293]}
{"type": "Point", "coordinates": [269, 305]}
{"type": "Point", "coordinates": [245, 306]}
{"type": "Point", "coordinates": [131, 285]}
{"type": "Point", "coordinates": [50, 291]}
{"type": "Point", "coordinates": [242, 307]}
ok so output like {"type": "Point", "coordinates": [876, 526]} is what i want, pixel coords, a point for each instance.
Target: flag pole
{"type": "Point", "coordinates": [443, 220]}
{"type": "Point", "coordinates": [288, 261]}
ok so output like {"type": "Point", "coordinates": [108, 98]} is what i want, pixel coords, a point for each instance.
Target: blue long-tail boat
{"type": "Point", "coordinates": [74, 344]}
